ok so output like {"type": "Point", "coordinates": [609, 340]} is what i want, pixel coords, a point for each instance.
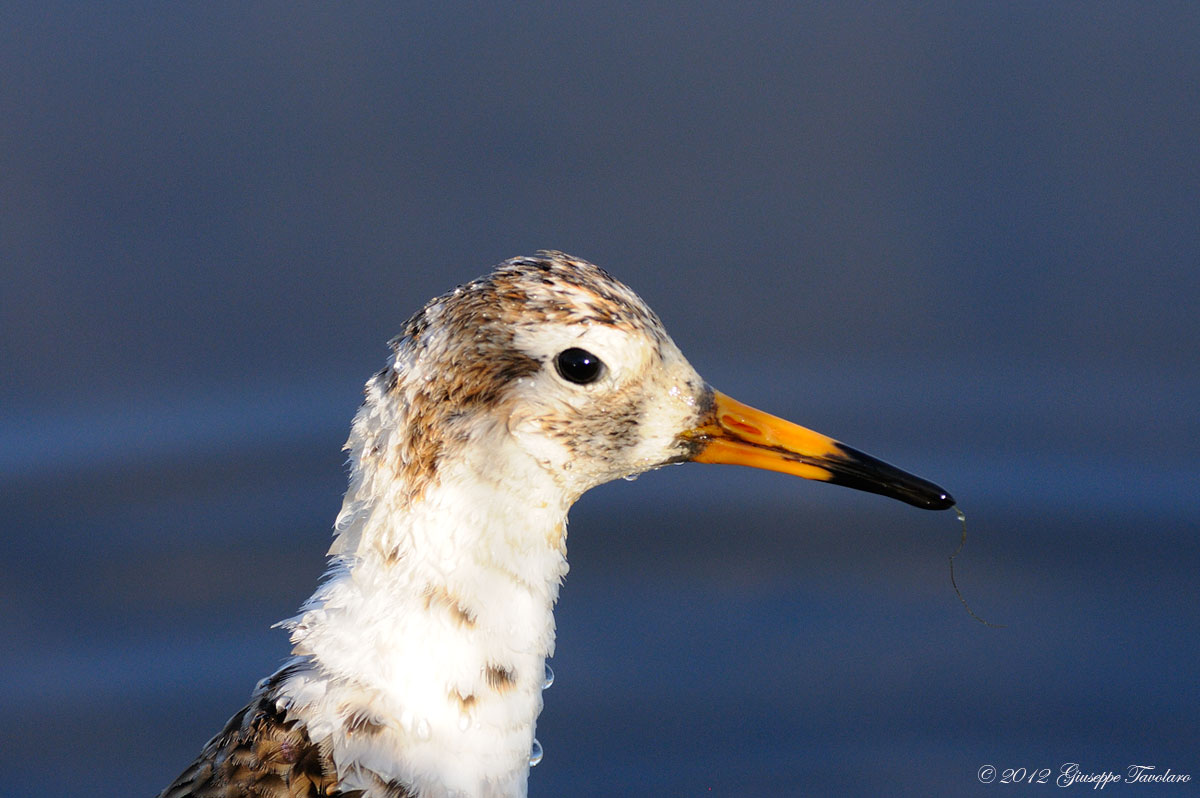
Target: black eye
{"type": "Point", "coordinates": [579, 366]}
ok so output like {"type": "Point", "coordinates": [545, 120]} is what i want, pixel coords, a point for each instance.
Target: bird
{"type": "Point", "coordinates": [417, 665]}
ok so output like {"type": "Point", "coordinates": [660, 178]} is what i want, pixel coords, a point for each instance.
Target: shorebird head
{"type": "Point", "coordinates": [568, 366]}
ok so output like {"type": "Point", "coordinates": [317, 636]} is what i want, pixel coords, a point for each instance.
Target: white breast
{"type": "Point", "coordinates": [429, 640]}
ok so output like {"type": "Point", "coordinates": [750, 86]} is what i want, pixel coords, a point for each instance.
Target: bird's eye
{"type": "Point", "coordinates": [578, 366]}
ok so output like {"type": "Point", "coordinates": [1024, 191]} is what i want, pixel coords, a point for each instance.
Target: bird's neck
{"type": "Point", "coordinates": [425, 647]}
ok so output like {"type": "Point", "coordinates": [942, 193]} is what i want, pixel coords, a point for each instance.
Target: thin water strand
{"type": "Point", "coordinates": [962, 518]}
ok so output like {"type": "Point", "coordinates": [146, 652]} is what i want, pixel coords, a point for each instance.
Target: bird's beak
{"type": "Point", "coordinates": [734, 433]}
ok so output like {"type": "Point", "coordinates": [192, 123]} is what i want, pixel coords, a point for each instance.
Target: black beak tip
{"type": "Point", "coordinates": [861, 471]}
{"type": "Point", "coordinates": [921, 493]}
{"type": "Point", "coordinates": [940, 501]}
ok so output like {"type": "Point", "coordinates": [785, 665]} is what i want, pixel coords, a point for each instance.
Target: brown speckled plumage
{"type": "Point", "coordinates": [263, 754]}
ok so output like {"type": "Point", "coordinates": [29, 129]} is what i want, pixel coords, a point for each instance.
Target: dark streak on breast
{"type": "Point", "coordinates": [465, 703]}
{"type": "Point", "coordinates": [439, 596]}
{"type": "Point", "coordinates": [498, 678]}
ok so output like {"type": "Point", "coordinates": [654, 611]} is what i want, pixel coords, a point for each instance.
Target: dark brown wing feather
{"type": "Point", "coordinates": [261, 754]}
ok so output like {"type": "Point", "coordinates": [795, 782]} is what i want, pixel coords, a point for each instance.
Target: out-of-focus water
{"type": "Point", "coordinates": [962, 238]}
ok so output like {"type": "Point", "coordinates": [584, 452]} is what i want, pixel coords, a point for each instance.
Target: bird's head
{"type": "Point", "coordinates": [559, 359]}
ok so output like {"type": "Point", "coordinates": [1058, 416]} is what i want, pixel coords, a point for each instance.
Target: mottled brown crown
{"type": "Point", "coordinates": [549, 287]}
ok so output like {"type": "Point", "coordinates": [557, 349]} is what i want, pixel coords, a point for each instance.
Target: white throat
{"type": "Point", "coordinates": [422, 657]}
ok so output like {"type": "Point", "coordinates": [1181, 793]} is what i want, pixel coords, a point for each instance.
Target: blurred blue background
{"type": "Point", "coordinates": [963, 237]}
